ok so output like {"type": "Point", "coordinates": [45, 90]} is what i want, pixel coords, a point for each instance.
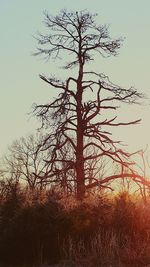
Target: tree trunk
{"type": "Point", "coordinates": [80, 134]}
{"type": "Point", "coordinates": [80, 165]}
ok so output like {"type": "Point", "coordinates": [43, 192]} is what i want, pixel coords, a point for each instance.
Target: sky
{"type": "Point", "coordinates": [20, 85]}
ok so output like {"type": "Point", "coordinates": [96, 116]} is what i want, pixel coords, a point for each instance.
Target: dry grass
{"type": "Point", "coordinates": [100, 231]}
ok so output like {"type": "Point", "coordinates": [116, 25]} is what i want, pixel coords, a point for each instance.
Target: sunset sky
{"type": "Point", "coordinates": [20, 85]}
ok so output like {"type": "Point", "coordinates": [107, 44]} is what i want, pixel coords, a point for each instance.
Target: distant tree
{"type": "Point", "coordinates": [84, 110]}
{"type": "Point", "coordinates": [24, 162]}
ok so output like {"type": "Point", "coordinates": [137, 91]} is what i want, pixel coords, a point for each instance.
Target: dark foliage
{"type": "Point", "coordinates": [47, 231]}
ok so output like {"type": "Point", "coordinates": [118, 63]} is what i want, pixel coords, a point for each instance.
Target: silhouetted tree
{"type": "Point", "coordinates": [24, 162]}
{"type": "Point", "coordinates": [84, 110]}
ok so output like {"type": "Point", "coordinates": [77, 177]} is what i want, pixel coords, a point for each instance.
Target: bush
{"type": "Point", "coordinates": [50, 229]}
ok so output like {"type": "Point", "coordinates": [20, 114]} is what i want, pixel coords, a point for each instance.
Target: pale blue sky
{"type": "Point", "coordinates": [20, 85]}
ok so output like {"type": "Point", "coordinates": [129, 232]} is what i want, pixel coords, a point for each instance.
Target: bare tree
{"type": "Point", "coordinates": [84, 111]}
{"type": "Point", "coordinates": [25, 162]}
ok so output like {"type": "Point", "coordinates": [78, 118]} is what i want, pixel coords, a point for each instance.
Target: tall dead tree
{"type": "Point", "coordinates": [84, 111]}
